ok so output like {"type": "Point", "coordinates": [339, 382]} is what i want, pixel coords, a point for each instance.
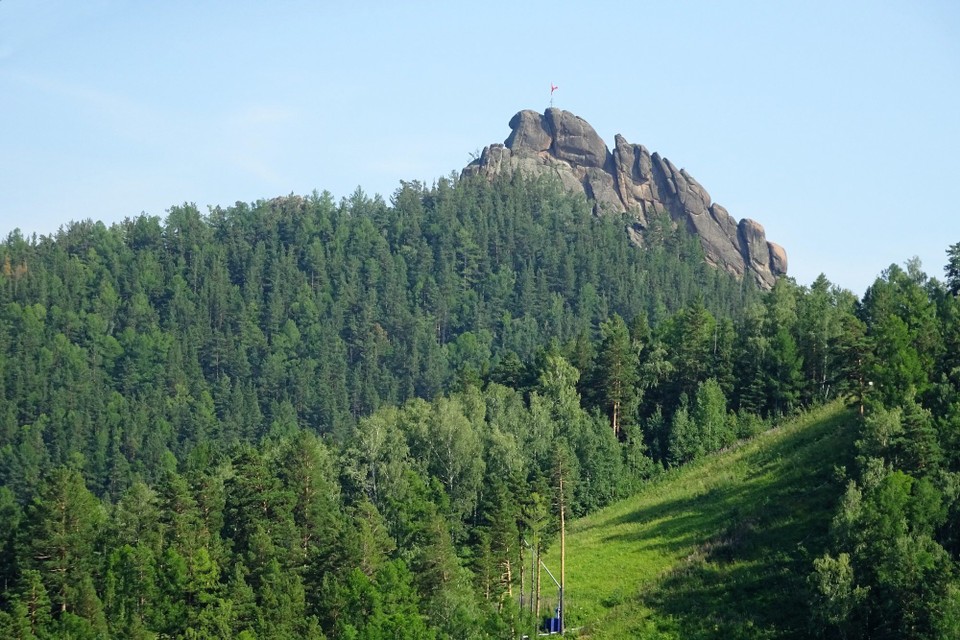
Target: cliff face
{"type": "Point", "coordinates": [631, 179]}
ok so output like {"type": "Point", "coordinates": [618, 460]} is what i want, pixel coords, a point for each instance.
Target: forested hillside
{"type": "Point", "coordinates": [302, 418]}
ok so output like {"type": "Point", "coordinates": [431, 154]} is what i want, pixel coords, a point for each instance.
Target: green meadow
{"type": "Point", "coordinates": [717, 549]}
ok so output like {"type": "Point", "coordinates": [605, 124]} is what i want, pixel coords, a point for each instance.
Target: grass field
{"type": "Point", "coordinates": [717, 549]}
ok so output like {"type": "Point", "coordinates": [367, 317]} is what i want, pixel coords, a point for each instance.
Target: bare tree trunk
{"type": "Point", "coordinates": [539, 571]}
{"type": "Point", "coordinates": [616, 419]}
{"type": "Point", "coordinates": [563, 550]}
{"type": "Point", "coordinates": [521, 579]}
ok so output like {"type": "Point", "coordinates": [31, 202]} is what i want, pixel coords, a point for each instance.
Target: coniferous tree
{"type": "Point", "coordinates": [61, 527]}
{"type": "Point", "coordinates": [952, 269]}
{"type": "Point", "coordinates": [30, 615]}
{"type": "Point", "coordinates": [690, 343]}
{"type": "Point", "coordinates": [617, 373]}
{"type": "Point", "coordinates": [10, 518]}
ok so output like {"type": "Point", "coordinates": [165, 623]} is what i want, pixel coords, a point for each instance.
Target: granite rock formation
{"type": "Point", "coordinates": [631, 179]}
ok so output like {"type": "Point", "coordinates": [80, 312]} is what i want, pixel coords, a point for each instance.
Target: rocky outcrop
{"type": "Point", "coordinates": [631, 179]}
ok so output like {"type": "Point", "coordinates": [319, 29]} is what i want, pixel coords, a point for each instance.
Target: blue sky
{"type": "Point", "coordinates": [836, 125]}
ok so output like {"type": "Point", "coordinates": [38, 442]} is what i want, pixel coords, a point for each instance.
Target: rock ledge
{"type": "Point", "coordinates": [631, 179]}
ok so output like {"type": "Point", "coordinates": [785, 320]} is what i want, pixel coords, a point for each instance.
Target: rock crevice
{"type": "Point", "coordinates": [631, 179]}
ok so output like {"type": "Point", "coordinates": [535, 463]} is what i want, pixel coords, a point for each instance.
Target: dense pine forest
{"type": "Point", "coordinates": [302, 418]}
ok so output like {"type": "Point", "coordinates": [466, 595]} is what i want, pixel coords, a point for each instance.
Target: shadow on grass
{"type": "Point", "coordinates": [760, 532]}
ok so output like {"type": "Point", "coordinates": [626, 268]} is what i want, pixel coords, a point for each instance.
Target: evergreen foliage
{"type": "Point", "coordinates": [302, 418]}
{"type": "Point", "coordinates": [895, 572]}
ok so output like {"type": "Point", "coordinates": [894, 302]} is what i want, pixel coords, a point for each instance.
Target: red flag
{"type": "Point", "coordinates": [553, 88]}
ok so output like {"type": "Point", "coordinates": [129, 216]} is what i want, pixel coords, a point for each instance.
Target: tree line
{"type": "Point", "coordinates": [302, 418]}
{"type": "Point", "coordinates": [892, 569]}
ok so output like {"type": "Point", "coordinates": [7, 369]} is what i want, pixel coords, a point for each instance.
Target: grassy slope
{"type": "Point", "coordinates": [718, 549]}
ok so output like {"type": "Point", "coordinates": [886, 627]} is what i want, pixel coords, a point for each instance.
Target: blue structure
{"type": "Point", "coordinates": [554, 624]}
{"type": "Point", "coordinates": [551, 625]}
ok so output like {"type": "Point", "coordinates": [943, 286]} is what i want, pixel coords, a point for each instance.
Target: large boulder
{"type": "Point", "coordinates": [563, 145]}
{"type": "Point", "coordinates": [529, 133]}
{"type": "Point", "coordinates": [756, 251]}
{"type": "Point", "coordinates": [575, 141]}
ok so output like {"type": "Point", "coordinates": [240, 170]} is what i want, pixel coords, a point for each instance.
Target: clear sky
{"type": "Point", "coordinates": [836, 125]}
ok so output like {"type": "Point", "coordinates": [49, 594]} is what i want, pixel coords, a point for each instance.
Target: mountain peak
{"type": "Point", "coordinates": [631, 179]}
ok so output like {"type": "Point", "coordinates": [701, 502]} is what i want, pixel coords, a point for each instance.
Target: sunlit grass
{"type": "Point", "coordinates": [719, 548]}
